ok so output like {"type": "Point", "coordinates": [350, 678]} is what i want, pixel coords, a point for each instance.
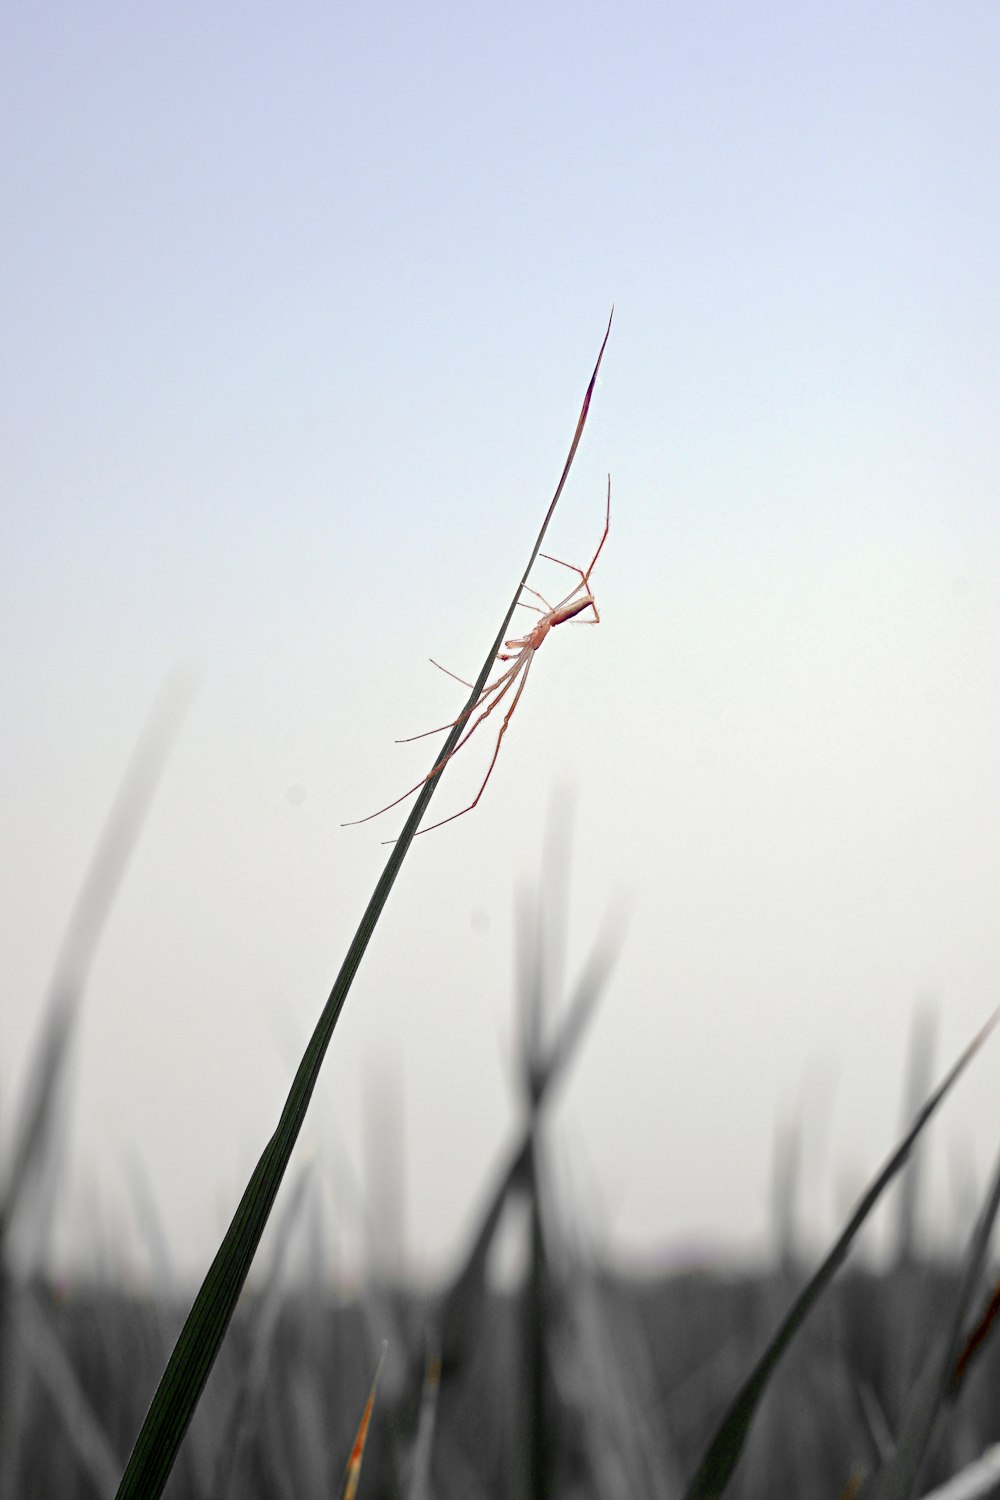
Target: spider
{"type": "Point", "coordinates": [520, 653]}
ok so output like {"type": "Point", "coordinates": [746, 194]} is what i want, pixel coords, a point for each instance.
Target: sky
{"type": "Point", "coordinates": [298, 313]}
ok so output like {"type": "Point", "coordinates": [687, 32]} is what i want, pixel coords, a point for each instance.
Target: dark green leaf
{"type": "Point", "coordinates": [195, 1351]}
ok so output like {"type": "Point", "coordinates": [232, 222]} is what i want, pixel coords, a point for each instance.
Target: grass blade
{"type": "Point", "coordinates": [37, 1134]}
{"type": "Point", "coordinates": [353, 1476]}
{"type": "Point", "coordinates": [462, 1304]}
{"type": "Point", "coordinates": [938, 1383]}
{"type": "Point", "coordinates": [716, 1468]}
{"type": "Point", "coordinates": [920, 1071]}
{"type": "Point", "coordinates": [419, 1486]}
{"type": "Point", "coordinates": [54, 1369]}
{"type": "Point", "coordinates": [87, 920]}
{"type": "Point", "coordinates": [244, 1413]}
{"type": "Point", "coordinates": [203, 1332]}
{"type": "Point", "coordinates": [985, 1323]}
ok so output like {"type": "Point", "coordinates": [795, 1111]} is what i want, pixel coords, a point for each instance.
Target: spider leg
{"type": "Point", "coordinates": [507, 680]}
{"type": "Point", "coordinates": [496, 751]}
{"type": "Point", "coordinates": [585, 576]}
{"type": "Point", "coordinates": [537, 595]}
{"type": "Point", "coordinates": [449, 673]}
{"type": "Point", "coordinates": [490, 688]}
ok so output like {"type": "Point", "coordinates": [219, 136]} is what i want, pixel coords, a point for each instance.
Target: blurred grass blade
{"type": "Point", "coordinates": [203, 1332]}
{"type": "Point", "coordinates": [36, 1133]}
{"type": "Point", "coordinates": [462, 1304]}
{"type": "Point", "coordinates": [537, 1426]}
{"type": "Point", "coordinates": [724, 1451]}
{"type": "Point", "coordinates": [608, 1371]}
{"type": "Point", "coordinates": [786, 1185]}
{"type": "Point", "coordinates": [86, 1433]}
{"type": "Point", "coordinates": [919, 1073]}
{"type": "Point", "coordinates": [979, 1481]}
{"type": "Point", "coordinates": [419, 1487]}
{"type": "Point", "coordinates": [974, 1343]}
{"type": "Point", "coordinates": [937, 1385]}
{"type": "Point", "coordinates": [353, 1475]}
{"type": "Point", "coordinates": [87, 920]}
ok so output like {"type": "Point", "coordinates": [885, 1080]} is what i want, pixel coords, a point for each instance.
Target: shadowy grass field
{"type": "Point", "coordinates": [634, 1375]}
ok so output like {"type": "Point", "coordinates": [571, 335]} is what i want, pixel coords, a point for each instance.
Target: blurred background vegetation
{"type": "Point", "coordinates": [539, 1367]}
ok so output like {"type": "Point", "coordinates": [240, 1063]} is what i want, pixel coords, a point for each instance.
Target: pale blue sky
{"type": "Point", "coordinates": [299, 309]}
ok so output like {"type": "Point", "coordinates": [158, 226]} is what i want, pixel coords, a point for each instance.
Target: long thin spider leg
{"type": "Point", "coordinates": [524, 661]}
{"type": "Point", "coordinates": [572, 567]}
{"type": "Point", "coordinates": [448, 673]}
{"type": "Point", "coordinates": [604, 533]}
{"type": "Point", "coordinates": [585, 576]}
{"type": "Point", "coordinates": [537, 595]}
{"type": "Point", "coordinates": [509, 677]}
{"type": "Point", "coordinates": [496, 751]}
{"type": "Point", "coordinates": [486, 692]}
{"type": "Point", "coordinates": [490, 687]}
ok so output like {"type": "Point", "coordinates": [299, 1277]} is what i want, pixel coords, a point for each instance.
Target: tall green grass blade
{"type": "Point", "coordinates": [723, 1454]}
{"type": "Point", "coordinates": [198, 1459]}
{"type": "Point", "coordinates": [245, 1410]}
{"type": "Point", "coordinates": [194, 1353]}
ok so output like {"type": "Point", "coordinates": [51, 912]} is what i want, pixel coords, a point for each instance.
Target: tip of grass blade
{"type": "Point", "coordinates": [352, 1477]}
